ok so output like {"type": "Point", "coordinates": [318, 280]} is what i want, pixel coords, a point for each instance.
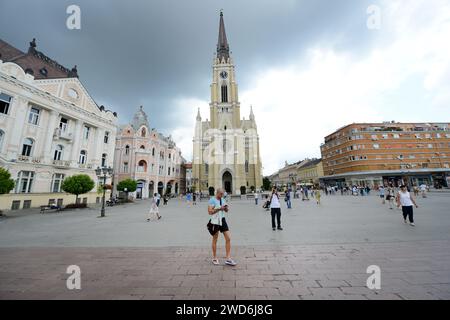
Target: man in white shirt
{"type": "Point", "coordinates": [275, 209]}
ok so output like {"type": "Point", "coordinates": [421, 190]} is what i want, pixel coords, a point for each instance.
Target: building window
{"type": "Point", "coordinates": [57, 182]}
{"type": "Point", "coordinates": [86, 132]}
{"type": "Point", "coordinates": [125, 167]}
{"type": "Point", "coordinates": [376, 146]}
{"type": "Point", "coordinates": [143, 132]}
{"type": "Point", "coordinates": [153, 152]}
{"type": "Point", "coordinates": [127, 149]}
{"type": "Point", "coordinates": [104, 160]}
{"type": "Point", "coordinates": [83, 157]}
{"type": "Point", "coordinates": [246, 166]}
{"type": "Point", "coordinates": [5, 102]}
{"type": "Point", "coordinates": [396, 136]}
{"type": "Point", "coordinates": [58, 152]}
{"type": "Point", "coordinates": [27, 147]}
{"type": "Point", "coordinates": [106, 137]}
{"type": "Point", "coordinates": [168, 171]}
{"type": "Point", "coordinates": [224, 91]}
{"type": "Point", "coordinates": [33, 117]}
{"type": "Point", "coordinates": [63, 124]}
{"type": "Point", "coordinates": [142, 166]}
{"type": "Point", "coordinates": [24, 181]}
{"type": "Point", "coordinates": [206, 168]}
{"type": "Point", "coordinates": [142, 147]}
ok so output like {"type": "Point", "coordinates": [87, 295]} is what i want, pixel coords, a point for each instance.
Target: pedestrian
{"type": "Point", "coordinates": [306, 193]}
{"type": "Point", "coordinates": [158, 199]}
{"type": "Point", "coordinates": [275, 209]}
{"type": "Point", "coordinates": [287, 198]}
{"type": "Point", "coordinates": [390, 196]}
{"type": "Point", "coordinates": [405, 200]}
{"type": "Point", "coordinates": [381, 193]}
{"type": "Point", "coordinates": [256, 197]}
{"type": "Point", "coordinates": [166, 199]}
{"type": "Point", "coordinates": [423, 190]}
{"type": "Point", "coordinates": [154, 210]}
{"type": "Point", "coordinates": [194, 198]}
{"type": "Point", "coordinates": [217, 207]}
{"type": "Point", "coordinates": [318, 195]}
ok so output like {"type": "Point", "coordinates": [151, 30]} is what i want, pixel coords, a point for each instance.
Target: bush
{"type": "Point", "coordinates": [6, 183]}
{"type": "Point", "coordinates": [78, 184]}
{"type": "Point", "coordinates": [129, 184]}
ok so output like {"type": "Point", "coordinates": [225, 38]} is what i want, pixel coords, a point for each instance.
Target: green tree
{"type": "Point", "coordinates": [6, 183]}
{"type": "Point", "coordinates": [267, 185]}
{"type": "Point", "coordinates": [78, 184]}
{"type": "Point", "coordinates": [129, 184]}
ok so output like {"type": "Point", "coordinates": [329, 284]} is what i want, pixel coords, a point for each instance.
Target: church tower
{"type": "Point", "coordinates": [226, 147]}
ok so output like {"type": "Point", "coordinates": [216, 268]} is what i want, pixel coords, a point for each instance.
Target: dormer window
{"type": "Point", "coordinates": [43, 71]}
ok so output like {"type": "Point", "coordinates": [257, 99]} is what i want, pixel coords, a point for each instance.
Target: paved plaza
{"type": "Point", "coordinates": [322, 253]}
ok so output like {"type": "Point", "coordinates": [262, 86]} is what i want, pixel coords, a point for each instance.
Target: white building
{"type": "Point", "coordinates": [50, 128]}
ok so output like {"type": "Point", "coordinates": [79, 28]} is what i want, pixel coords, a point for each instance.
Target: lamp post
{"type": "Point", "coordinates": [103, 173]}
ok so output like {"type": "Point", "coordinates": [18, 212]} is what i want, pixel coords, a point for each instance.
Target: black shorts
{"type": "Point", "coordinates": [224, 227]}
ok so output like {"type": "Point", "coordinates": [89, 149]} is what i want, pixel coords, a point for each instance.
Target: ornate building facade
{"type": "Point", "coordinates": [50, 128]}
{"type": "Point", "coordinates": [152, 159]}
{"type": "Point", "coordinates": [226, 148]}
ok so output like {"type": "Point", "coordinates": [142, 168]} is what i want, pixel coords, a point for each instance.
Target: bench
{"type": "Point", "coordinates": [51, 207]}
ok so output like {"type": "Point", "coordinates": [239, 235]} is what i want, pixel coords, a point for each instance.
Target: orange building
{"type": "Point", "coordinates": [389, 152]}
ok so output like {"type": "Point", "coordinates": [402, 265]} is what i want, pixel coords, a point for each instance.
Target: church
{"type": "Point", "coordinates": [226, 148]}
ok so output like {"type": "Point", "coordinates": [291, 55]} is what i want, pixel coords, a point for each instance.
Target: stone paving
{"type": "Point", "coordinates": [153, 262]}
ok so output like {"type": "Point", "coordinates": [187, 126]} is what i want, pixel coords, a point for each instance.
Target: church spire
{"type": "Point", "coordinates": [223, 49]}
{"type": "Point", "coordinates": [199, 118]}
{"type": "Point", "coordinates": [252, 115]}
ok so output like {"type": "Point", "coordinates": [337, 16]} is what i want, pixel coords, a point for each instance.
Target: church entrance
{"type": "Point", "coordinates": [227, 182]}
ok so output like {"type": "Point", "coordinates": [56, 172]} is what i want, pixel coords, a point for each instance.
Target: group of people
{"type": "Point", "coordinates": [403, 199]}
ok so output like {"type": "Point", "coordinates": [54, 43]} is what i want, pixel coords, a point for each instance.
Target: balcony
{"type": "Point", "coordinates": [61, 163]}
{"type": "Point", "coordinates": [62, 133]}
{"type": "Point", "coordinates": [28, 159]}
{"type": "Point", "coordinates": [85, 166]}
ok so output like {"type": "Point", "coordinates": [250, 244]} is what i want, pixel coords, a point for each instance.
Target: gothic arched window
{"type": "Point", "coordinates": [224, 91]}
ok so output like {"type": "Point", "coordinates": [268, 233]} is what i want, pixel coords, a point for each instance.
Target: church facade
{"type": "Point", "coordinates": [226, 148]}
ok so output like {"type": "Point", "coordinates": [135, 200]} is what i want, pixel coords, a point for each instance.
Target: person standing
{"type": "Point", "coordinates": [194, 198]}
{"type": "Point", "coordinates": [256, 197]}
{"type": "Point", "coordinates": [423, 190]}
{"type": "Point", "coordinates": [275, 209]}
{"type": "Point", "coordinates": [288, 199]}
{"type": "Point", "coordinates": [381, 193]}
{"type": "Point", "coordinates": [158, 199]}
{"type": "Point", "coordinates": [318, 195]}
{"type": "Point", "coordinates": [216, 209]}
{"type": "Point", "coordinates": [405, 200]}
{"type": "Point", "coordinates": [390, 196]}
{"type": "Point", "coordinates": [154, 210]}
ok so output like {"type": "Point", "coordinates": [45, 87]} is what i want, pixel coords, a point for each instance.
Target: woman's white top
{"type": "Point", "coordinates": [405, 199]}
{"type": "Point", "coordinates": [275, 202]}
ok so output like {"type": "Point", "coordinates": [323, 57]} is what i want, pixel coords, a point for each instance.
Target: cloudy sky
{"type": "Point", "coordinates": [307, 67]}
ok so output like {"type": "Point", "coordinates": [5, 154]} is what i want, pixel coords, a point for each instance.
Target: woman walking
{"type": "Point", "coordinates": [390, 196]}
{"type": "Point", "coordinates": [154, 210]}
{"type": "Point", "coordinates": [405, 200]}
{"type": "Point", "coordinates": [275, 209]}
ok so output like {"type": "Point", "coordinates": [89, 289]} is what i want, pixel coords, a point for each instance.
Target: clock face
{"type": "Point", "coordinates": [224, 74]}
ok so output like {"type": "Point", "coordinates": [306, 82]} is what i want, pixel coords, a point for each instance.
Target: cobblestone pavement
{"type": "Point", "coordinates": [419, 270]}
{"type": "Point", "coordinates": [323, 253]}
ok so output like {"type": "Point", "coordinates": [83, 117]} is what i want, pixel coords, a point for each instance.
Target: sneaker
{"type": "Point", "coordinates": [274, 229]}
{"type": "Point", "coordinates": [412, 224]}
{"type": "Point", "coordinates": [230, 262]}
{"type": "Point", "coordinates": [280, 228]}
{"type": "Point", "coordinates": [215, 261]}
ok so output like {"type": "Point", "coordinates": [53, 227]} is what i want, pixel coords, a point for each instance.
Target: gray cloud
{"type": "Point", "coordinates": [151, 52]}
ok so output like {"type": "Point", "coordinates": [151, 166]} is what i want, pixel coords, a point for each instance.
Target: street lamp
{"type": "Point", "coordinates": [103, 173]}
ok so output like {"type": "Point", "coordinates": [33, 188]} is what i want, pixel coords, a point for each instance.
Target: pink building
{"type": "Point", "coordinates": [145, 155]}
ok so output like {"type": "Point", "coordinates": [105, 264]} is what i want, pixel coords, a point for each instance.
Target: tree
{"type": "Point", "coordinates": [267, 185]}
{"type": "Point", "coordinates": [78, 184]}
{"type": "Point", "coordinates": [211, 191]}
{"type": "Point", "coordinates": [6, 183]}
{"type": "Point", "coordinates": [129, 184]}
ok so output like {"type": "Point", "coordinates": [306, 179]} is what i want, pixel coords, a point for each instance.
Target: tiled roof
{"type": "Point", "coordinates": [35, 62]}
